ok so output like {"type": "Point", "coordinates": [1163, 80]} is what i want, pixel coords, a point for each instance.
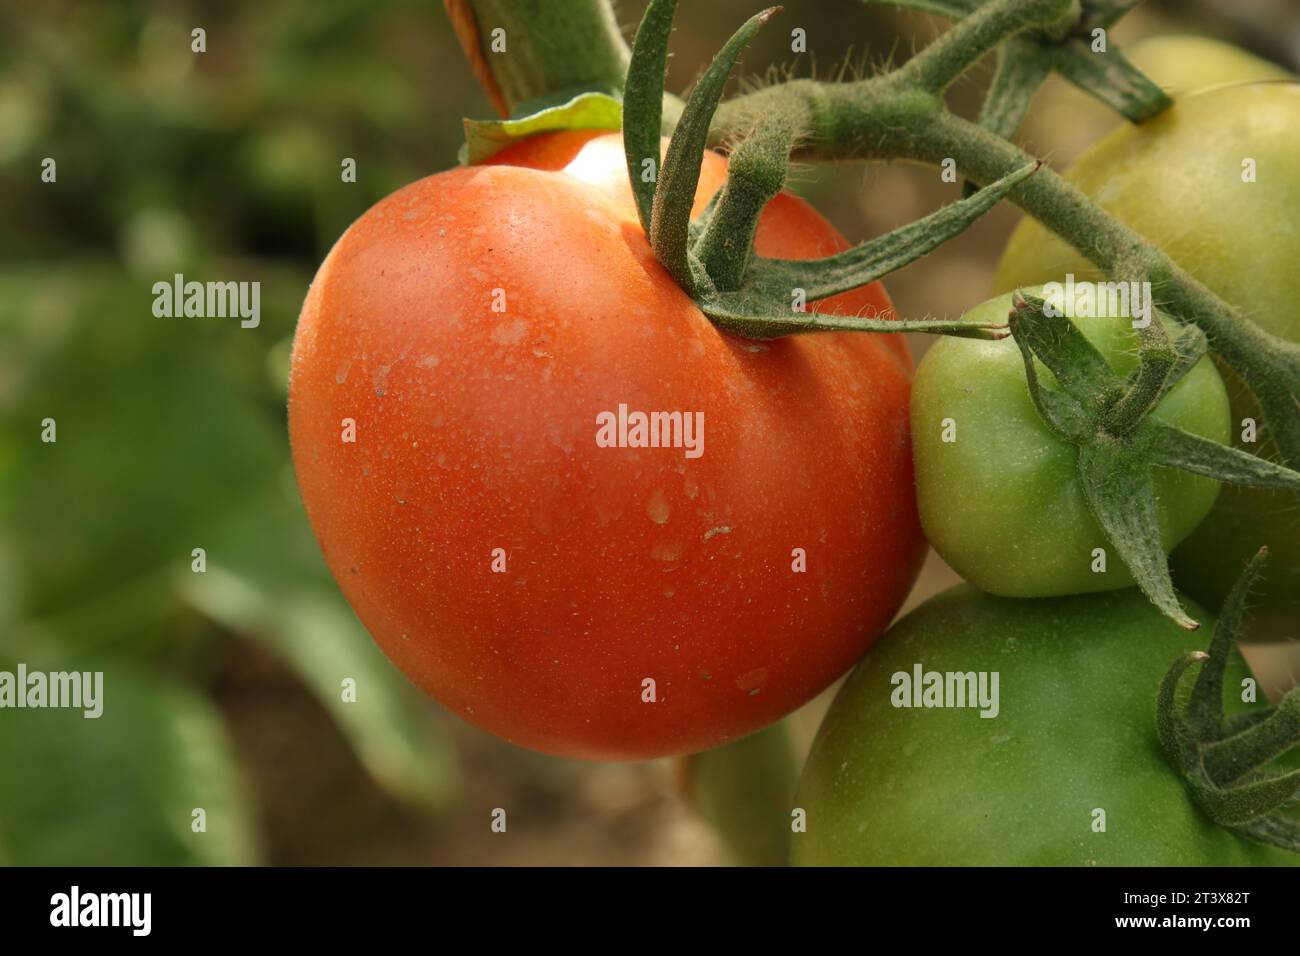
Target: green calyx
{"type": "Point", "coordinates": [1106, 418]}
{"type": "Point", "coordinates": [584, 110]}
{"type": "Point", "coordinates": [712, 258]}
{"type": "Point", "coordinates": [1224, 761]}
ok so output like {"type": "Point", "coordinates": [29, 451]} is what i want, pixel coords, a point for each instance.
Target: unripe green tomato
{"type": "Point", "coordinates": [1069, 772]}
{"type": "Point", "coordinates": [1181, 63]}
{"type": "Point", "coordinates": [1071, 120]}
{"type": "Point", "coordinates": [1182, 181]}
{"type": "Point", "coordinates": [743, 790]}
{"type": "Point", "coordinates": [999, 493]}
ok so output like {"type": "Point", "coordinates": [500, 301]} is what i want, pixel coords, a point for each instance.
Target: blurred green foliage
{"type": "Point", "coordinates": [222, 165]}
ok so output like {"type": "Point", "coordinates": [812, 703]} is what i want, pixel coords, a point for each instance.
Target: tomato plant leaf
{"type": "Point", "coordinates": [121, 789]}
{"type": "Point", "coordinates": [1175, 735]}
{"type": "Point", "coordinates": [1233, 758]}
{"type": "Point", "coordinates": [1191, 345]}
{"type": "Point", "coordinates": [755, 318]}
{"type": "Point", "coordinates": [1065, 416]}
{"type": "Point", "coordinates": [1117, 442]}
{"type": "Point", "coordinates": [1275, 830]}
{"type": "Point", "coordinates": [1158, 357]}
{"type": "Point", "coordinates": [956, 9]}
{"type": "Point", "coordinates": [90, 568]}
{"type": "Point", "coordinates": [1027, 56]}
{"type": "Point", "coordinates": [1244, 803]}
{"type": "Point", "coordinates": [313, 631]}
{"type": "Point", "coordinates": [586, 110]}
{"type": "Point", "coordinates": [1227, 776]}
{"type": "Point", "coordinates": [763, 306]}
{"type": "Point", "coordinates": [1204, 711]}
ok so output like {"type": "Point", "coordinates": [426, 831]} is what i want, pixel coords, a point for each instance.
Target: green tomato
{"type": "Point", "coordinates": [1181, 63]}
{"type": "Point", "coordinates": [1072, 120]}
{"type": "Point", "coordinates": [742, 790]}
{"type": "Point", "coordinates": [1074, 737]}
{"type": "Point", "coordinates": [999, 493]}
{"type": "Point", "coordinates": [1177, 179]}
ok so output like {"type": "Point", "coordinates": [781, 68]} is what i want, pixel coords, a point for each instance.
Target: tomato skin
{"type": "Point", "coordinates": [476, 430]}
{"type": "Point", "coordinates": [1003, 503]}
{"type": "Point", "coordinates": [1177, 180]}
{"type": "Point", "coordinates": [1075, 731]}
{"type": "Point", "coordinates": [1182, 63]}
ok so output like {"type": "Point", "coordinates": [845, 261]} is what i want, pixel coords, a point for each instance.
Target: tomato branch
{"type": "Point", "coordinates": [1270, 366]}
{"type": "Point", "coordinates": [942, 62]}
{"type": "Point", "coordinates": [881, 119]}
{"type": "Point", "coordinates": [1069, 38]}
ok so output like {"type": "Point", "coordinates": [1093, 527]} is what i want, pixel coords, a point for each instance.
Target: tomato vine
{"type": "Point", "coordinates": [900, 114]}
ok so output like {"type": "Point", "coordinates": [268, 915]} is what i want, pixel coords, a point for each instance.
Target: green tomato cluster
{"type": "Point", "coordinates": [1214, 182]}
{"type": "Point", "coordinates": [915, 763]}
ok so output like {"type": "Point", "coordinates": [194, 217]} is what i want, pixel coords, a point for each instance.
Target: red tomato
{"type": "Point", "coordinates": [648, 603]}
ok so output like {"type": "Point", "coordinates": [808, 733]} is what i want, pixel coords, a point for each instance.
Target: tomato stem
{"type": "Point", "coordinates": [713, 259]}
{"type": "Point", "coordinates": [899, 115]}
{"type": "Point", "coordinates": [755, 174]}
{"type": "Point", "coordinates": [941, 63]}
{"type": "Point", "coordinates": [527, 52]}
{"type": "Point", "coordinates": [1023, 65]}
{"type": "Point", "coordinates": [1033, 39]}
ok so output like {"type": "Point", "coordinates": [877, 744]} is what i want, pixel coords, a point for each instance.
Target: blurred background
{"type": "Point", "coordinates": [224, 686]}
